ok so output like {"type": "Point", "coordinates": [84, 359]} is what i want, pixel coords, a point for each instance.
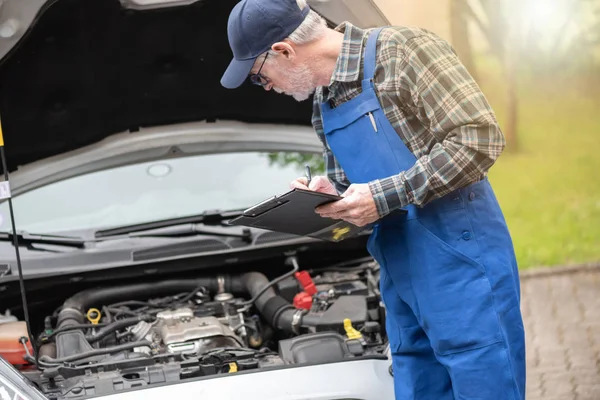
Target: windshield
{"type": "Point", "coordinates": [152, 191]}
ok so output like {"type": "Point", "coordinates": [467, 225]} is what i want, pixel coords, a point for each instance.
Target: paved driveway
{"type": "Point", "coordinates": [561, 308]}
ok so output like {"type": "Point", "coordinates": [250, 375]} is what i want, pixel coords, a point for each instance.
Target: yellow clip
{"type": "Point", "coordinates": [1, 136]}
{"type": "Point", "coordinates": [350, 331]}
{"type": "Point", "coordinates": [232, 367]}
{"type": "Point", "coordinates": [338, 233]}
{"type": "Point", "coordinates": [93, 318]}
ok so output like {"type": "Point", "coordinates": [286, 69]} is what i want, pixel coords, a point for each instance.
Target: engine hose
{"type": "Point", "coordinates": [253, 279]}
{"type": "Point", "coordinates": [277, 311]}
{"type": "Point", "coordinates": [95, 352]}
{"type": "Point", "coordinates": [74, 308]}
{"type": "Point", "coordinates": [274, 308]}
{"type": "Point", "coordinates": [74, 327]}
{"type": "Point", "coordinates": [113, 326]}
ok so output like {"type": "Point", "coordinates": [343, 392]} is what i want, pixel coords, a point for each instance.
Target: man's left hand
{"type": "Point", "coordinates": [357, 206]}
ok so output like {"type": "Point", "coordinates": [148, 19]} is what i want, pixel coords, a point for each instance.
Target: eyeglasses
{"type": "Point", "coordinates": [258, 78]}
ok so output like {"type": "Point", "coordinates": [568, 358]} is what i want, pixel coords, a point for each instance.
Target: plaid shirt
{"type": "Point", "coordinates": [433, 104]}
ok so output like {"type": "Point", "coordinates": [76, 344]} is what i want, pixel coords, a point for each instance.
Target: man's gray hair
{"type": "Point", "coordinates": [312, 28]}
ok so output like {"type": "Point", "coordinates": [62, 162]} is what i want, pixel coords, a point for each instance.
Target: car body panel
{"type": "Point", "coordinates": [356, 380]}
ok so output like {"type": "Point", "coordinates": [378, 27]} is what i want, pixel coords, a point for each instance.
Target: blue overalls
{"type": "Point", "coordinates": [449, 277]}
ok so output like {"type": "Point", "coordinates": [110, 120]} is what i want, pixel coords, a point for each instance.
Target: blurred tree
{"type": "Point", "coordinates": [459, 31]}
{"type": "Point", "coordinates": [544, 37]}
{"type": "Point", "coordinates": [559, 35]}
{"type": "Point", "coordinates": [299, 160]}
{"type": "Point", "coordinates": [492, 19]}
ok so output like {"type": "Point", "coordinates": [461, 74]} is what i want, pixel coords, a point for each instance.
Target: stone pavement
{"type": "Point", "coordinates": [561, 311]}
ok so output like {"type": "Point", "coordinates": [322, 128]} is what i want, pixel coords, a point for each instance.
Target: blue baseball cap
{"type": "Point", "coordinates": [253, 27]}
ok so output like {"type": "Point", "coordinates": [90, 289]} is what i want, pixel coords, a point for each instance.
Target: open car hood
{"type": "Point", "coordinates": [74, 72]}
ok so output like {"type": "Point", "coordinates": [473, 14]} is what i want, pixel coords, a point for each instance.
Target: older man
{"type": "Point", "coordinates": [404, 125]}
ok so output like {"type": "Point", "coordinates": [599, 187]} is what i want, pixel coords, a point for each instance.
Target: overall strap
{"type": "Point", "coordinates": [370, 56]}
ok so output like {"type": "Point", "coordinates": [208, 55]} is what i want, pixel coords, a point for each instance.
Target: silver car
{"type": "Point", "coordinates": [127, 159]}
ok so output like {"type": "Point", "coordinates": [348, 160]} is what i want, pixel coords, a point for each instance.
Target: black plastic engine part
{"type": "Point", "coordinates": [356, 288]}
{"type": "Point", "coordinates": [372, 327]}
{"type": "Point", "coordinates": [247, 364]}
{"type": "Point", "coordinates": [314, 348]}
{"type": "Point", "coordinates": [352, 307]}
{"type": "Point", "coordinates": [71, 342]}
{"type": "Point", "coordinates": [373, 307]}
{"type": "Point", "coordinates": [372, 332]}
{"type": "Point", "coordinates": [355, 347]}
{"type": "Point", "coordinates": [108, 382]}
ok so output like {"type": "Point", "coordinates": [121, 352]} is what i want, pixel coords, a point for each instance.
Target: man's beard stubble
{"type": "Point", "coordinates": [300, 81]}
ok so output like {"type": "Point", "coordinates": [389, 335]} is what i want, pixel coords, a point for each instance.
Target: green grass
{"type": "Point", "coordinates": [549, 189]}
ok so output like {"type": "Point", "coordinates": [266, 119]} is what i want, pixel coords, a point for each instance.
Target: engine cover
{"type": "Point", "coordinates": [182, 332]}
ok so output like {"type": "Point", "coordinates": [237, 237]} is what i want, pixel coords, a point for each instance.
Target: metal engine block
{"type": "Point", "coordinates": [182, 332]}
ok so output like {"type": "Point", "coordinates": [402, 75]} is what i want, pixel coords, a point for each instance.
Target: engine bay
{"type": "Point", "coordinates": [106, 339]}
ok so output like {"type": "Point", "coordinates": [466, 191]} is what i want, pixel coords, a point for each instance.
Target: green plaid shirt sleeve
{"type": "Point", "coordinates": [432, 103]}
{"type": "Point", "coordinates": [428, 79]}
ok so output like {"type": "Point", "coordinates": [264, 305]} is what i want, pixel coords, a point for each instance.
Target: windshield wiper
{"type": "Point", "coordinates": [28, 239]}
{"type": "Point", "coordinates": [187, 228]}
{"type": "Point", "coordinates": [190, 230]}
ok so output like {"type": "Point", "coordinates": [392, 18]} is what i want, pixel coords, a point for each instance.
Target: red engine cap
{"type": "Point", "coordinates": [303, 300]}
{"type": "Point", "coordinates": [306, 282]}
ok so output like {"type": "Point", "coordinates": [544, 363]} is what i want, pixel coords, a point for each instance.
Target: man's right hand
{"type": "Point", "coordinates": [317, 184]}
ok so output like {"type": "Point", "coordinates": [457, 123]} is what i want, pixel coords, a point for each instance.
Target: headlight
{"type": "Point", "coordinates": [13, 386]}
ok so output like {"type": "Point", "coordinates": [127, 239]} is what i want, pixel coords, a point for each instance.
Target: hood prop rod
{"type": "Point", "coordinates": [5, 194]}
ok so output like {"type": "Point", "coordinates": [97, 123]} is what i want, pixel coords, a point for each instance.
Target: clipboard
{"type": "Point", "coordinates": [294, 213]}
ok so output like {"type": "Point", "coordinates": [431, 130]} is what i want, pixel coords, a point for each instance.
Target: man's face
{"type": "Point", "coordinates": [288, 75]}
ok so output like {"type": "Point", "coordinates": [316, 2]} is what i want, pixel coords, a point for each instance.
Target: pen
{"type": "Point", "coordinates": [308, 175]}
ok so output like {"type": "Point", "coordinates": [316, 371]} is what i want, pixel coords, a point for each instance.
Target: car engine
{"type": "Point", "coordinates": [107, 339]}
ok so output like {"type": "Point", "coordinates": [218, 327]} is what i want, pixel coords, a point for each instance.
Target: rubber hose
{"type": "Point", "coordinates": [254, 282]}
{"type": "Point", "coordinates": [85, 299]}
{"type": "Point", "coordinates": [250, 284]}
{"type": "Point", "coordinates": [113, 326]}
{"type": "Point", "coordinates": [74, 307]}
{"type": "Point", "coordinates": [96, 352]}
{"type": "Point", "coordinates": [275, 309]}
